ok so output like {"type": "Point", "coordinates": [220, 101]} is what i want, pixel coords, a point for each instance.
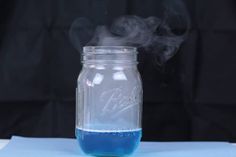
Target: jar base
{"type": "Point", "coordinates": [108, 143]}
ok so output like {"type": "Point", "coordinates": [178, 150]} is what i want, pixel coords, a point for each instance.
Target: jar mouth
{"type": "Point", "coordinates": [109, 50]}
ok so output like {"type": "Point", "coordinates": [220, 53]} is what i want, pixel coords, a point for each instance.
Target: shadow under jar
{"type": "Point", "coordinates": [109, 101]}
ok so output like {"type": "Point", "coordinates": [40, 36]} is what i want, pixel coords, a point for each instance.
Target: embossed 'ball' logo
{"type": "Point", "coordinates": [116, 101]}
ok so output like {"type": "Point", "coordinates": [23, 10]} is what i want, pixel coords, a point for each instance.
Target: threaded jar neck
{"type": "Point", "coordinates": [109, 54]}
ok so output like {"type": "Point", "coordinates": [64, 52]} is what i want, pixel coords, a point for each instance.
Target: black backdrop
{"type": "Point", "coordinates": [191, 97]}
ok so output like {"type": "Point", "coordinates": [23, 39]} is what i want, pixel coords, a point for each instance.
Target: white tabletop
{"type": "Point", "coordinates": [3, 143]}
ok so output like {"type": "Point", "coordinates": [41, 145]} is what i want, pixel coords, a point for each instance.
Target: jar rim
{"type": "Point", "coordinates": [109, 49]}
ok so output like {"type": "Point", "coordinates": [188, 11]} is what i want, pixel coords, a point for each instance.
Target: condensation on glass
{"type": "Point", "coordinates": [109, 101]}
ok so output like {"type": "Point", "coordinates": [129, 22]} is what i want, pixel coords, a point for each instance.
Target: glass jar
{"type": "Point", "coordinates": [109, 101]}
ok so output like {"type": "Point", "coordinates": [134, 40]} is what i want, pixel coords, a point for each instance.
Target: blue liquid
{"type": "Point", "coordinates": [108, 143]}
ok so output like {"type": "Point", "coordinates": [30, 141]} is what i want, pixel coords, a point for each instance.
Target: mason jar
{"type": "Point", "coordinates": [109, 101]}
